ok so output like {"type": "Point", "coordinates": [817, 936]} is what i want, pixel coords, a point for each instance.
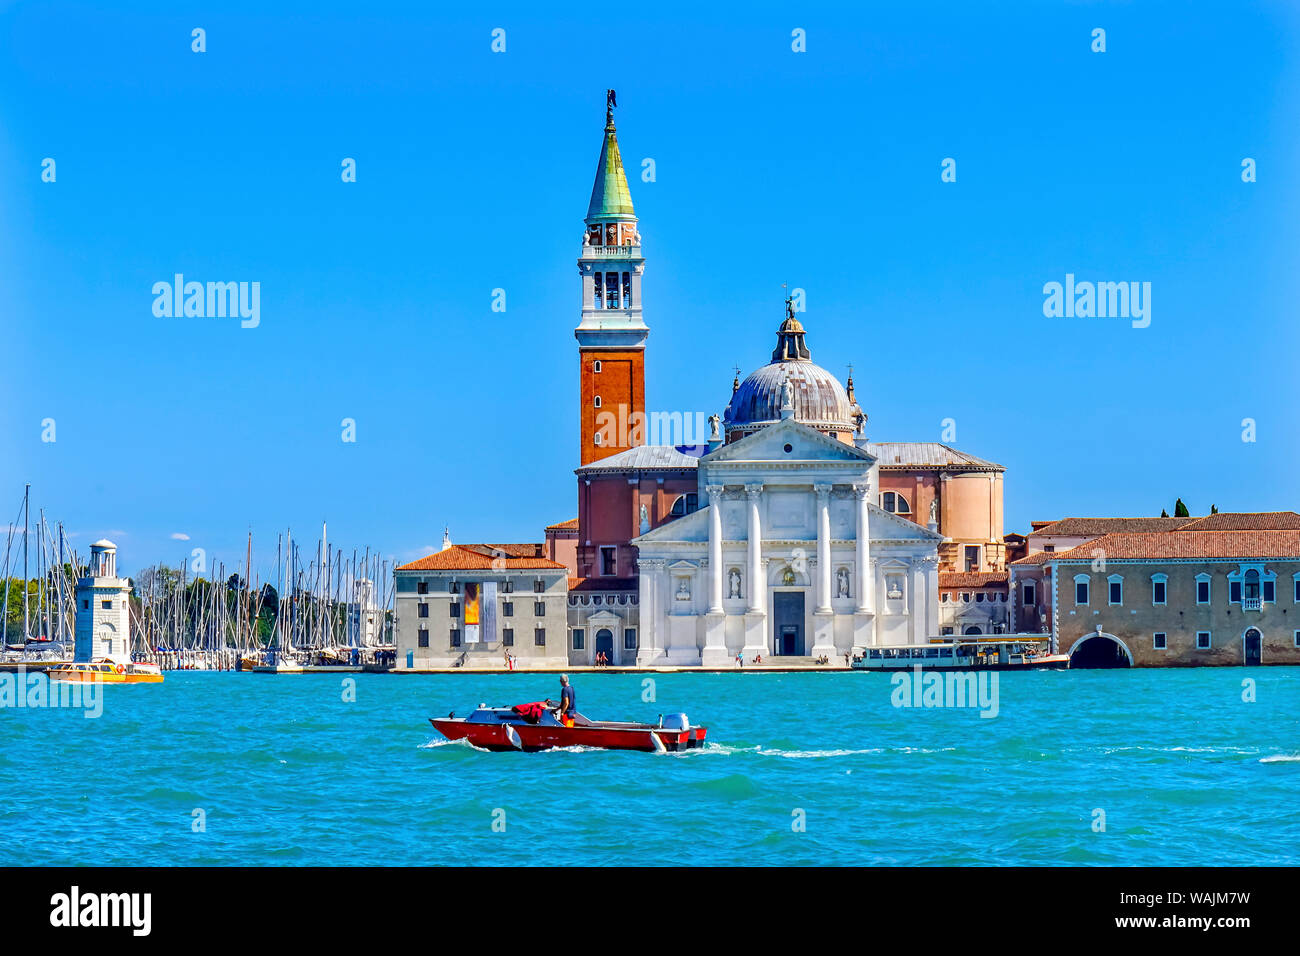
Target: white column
{"type": "Point", "coordinates": [866, 588]}
{"type": "Point", "coordinates": [715, 548]}
{"type": "Point", "coordinates": [823, 547]}
{"type": "Point", "coordinates": [757, 583]}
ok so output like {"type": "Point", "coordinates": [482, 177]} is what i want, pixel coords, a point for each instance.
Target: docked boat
{"type": "Point", "coordinates": [532, 727]}
{"type": "Point", "coordinates": [1013, 654]}
{"type": "Point", "coordinates": [107, 671]}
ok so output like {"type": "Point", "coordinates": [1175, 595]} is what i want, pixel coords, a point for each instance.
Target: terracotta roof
{"type": "Point", "coordinates": [570, 525]}
{"type": "Point", "coordinates": [972, 579]}
{"type": "Point", "coordinates": [1246, 521]}
{"type": "Point", "coordinates": [924, 454]}
{"type": "Point", "coordinates": [1190, 544]}
{"type": "Point", "coordinates": [1077, 527]}
{"type": "Point", "coordinates": [1038, 557]}
{"type": "Point", "coordinates": [603, 584]}
{"type": "Point", "coordinates": [480, 557]}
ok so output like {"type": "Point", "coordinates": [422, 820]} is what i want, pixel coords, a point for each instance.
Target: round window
{"type": "Point", "coordinates": [789, 448]}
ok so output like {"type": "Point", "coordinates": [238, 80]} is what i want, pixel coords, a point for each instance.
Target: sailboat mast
{"type": "Point", "coordinates": [26, 506]}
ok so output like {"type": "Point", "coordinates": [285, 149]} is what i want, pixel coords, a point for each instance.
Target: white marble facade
{"type": "Point", "coordinates": [790, 557]}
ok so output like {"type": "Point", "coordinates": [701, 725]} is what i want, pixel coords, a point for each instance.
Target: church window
{"type": "Point", "coordinates": [611, 290]}
{"type": "Point", "coordinates": [595, 366]}
{"type": "Point", "coordinates": [597, 405]}
{"type": "Point", "coordinates": [895, 503]}
{"type": "Point", "coordinates": [599, 294]}
{"type": "Point", "coordinates": [608, 561]}
{"type": "Point", "coordinates": [579, 639]}
{"type": "Point", "coordinates": [629, 638]}
{"type": "Point", "coordinates": [627, 291]}
{"type": "Point", "coordinates": [685, 504]}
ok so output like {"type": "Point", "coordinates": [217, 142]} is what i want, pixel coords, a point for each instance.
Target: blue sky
{"type": "Point", "coordinates": [821, 169]}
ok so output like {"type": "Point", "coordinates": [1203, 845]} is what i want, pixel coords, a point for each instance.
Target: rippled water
{"type": "Point", "coordinates": [287, 772]}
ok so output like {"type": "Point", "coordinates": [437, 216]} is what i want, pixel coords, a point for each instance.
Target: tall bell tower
{"type": "Point", "coordinates": [611, 336]}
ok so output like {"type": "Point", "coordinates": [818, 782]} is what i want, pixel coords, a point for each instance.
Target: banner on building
{"type": "Point", "coordinates": [470, 612]}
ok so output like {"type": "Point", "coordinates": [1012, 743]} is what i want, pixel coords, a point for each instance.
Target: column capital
{"type": "Point", "coordinates": [714, 491]}
{"type": "Point", "coordinates": [823, 490]}
{"type": "Point", "coordinates": [861, 490]}
{"type": "Point", "coordinates": [753, 490]}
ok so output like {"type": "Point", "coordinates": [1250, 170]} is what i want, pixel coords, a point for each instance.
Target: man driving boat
{"type": "Point", "coordinates": [564, 713]}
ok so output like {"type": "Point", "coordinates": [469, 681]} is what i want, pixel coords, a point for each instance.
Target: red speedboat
{"type": "Point", "coordinates": [534, 727]}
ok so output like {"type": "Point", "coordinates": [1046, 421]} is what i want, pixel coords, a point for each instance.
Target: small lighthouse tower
{"type": "Point", "coordinates": [103, 611]}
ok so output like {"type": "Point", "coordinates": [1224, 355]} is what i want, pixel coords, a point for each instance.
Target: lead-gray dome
{"type": "Point", "coordinates": [817, 397]}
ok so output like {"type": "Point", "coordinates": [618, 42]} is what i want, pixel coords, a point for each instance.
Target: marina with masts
{"type": "Point", "coordinates": [327, 610]}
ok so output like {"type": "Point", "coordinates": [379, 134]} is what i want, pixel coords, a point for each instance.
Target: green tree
{"type": "Point", "coordinates": [1180, 509]}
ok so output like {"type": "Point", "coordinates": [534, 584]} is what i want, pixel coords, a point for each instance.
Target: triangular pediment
{"type": "Point", "coordinates": [892, 527]}
{"type": "Point", "coordinates": [691, 527]}
{"type": "Point", "coordinates": [806, 444]}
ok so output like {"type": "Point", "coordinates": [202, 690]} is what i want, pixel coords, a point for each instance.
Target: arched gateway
{"type": "Point", "coordinates": [1100, 650]}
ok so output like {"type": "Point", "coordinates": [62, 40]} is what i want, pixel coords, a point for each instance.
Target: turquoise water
{"type": "Point", "coordinates": [289, 773]}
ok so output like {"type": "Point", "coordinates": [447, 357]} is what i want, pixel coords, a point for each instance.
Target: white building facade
{"type": "Point", "coordinates": [790, 558]}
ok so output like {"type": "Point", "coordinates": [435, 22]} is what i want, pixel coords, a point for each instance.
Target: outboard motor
{"type": "Point", "coordinates": [675, 722]}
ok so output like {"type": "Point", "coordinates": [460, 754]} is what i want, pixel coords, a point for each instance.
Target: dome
{"type": "Point", "coordinates": [817, 397]}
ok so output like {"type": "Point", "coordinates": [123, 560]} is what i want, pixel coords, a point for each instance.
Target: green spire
{"type": "Point", "coordinates": [610, 198]}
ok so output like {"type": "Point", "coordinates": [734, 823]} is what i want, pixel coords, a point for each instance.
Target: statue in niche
{"type": "Point", "coordinates": [733, 579]}
{"type": "Point", "coordinates": [842, 583]}
{"type": "Point", "coordinates": [934, 511]}
{"type": "Point", "coordinates": [787, 576]}
{"type": "Point", "coordinates": [683, 589]}
{"type": "Point", "coordinates": [645, 520]}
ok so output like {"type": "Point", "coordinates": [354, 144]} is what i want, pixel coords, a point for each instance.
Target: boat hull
{"type": "Point", "coordinates": [531, 738]}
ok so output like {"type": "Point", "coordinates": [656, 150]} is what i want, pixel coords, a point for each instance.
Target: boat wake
{"type": "Point", "coordinates": [1281, 758]}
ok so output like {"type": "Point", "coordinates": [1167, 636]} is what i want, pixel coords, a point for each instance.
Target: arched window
{"type": "Point", "coordinates": [597, 401]}
{"type": "Point", "coordinates": [972, 629]}
{"type": "Point", "coordinates": [1252, 584]}
{"type": "Point", "coordinates": [685, 504]}
{"type": "Point", "coordinates": [895, 503]}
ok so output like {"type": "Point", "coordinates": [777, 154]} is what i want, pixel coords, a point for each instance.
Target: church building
{"type": "Point", "coordinates": [785, 533]}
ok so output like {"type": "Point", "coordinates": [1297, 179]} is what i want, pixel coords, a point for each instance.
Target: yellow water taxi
{"type": "Point", "coordinates": [108, 672]}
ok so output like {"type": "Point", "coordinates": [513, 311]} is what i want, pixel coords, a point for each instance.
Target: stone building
{"type": "Point", "coordinates": [1164, 591]}
{"type": "Point", "coordinates": [973, 603]}
{"type": "Point", "coordinates": [468, 605]}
